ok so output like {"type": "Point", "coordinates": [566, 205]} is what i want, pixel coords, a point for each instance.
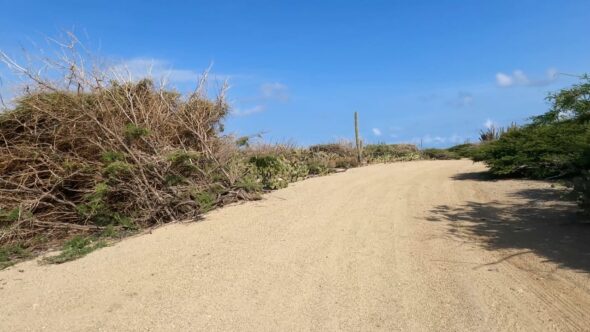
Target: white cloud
{"type": "Point", "coordinates": [489, 124]}
{"type": "Point", "coordinates": [376, 131]}
{"type": "Point", "coordinates": [248, 111]}
{"type": "Point", "coordinates": [275, 90]}
{"type": "Point", "coordinates": [503, 80]}
{"type": "Point", "coordinates": [519, 78]}
{"type": "Point", "coordinates": [158, 69]}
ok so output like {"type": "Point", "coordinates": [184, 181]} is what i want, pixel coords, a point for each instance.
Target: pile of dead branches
{"type": "Point", "coordinates": [89, 150]}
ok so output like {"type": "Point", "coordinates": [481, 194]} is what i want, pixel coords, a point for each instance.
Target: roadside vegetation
{"type": "Point", "coordinates": [552, 146]}
{"type": "Point", "coordinates": [87, 157]}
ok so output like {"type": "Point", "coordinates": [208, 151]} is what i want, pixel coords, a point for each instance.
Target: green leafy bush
{"type": "Point", "coordinates": [539, 151]}
{"type": "Point", "coordinates": [464, 150]}
{"type": "Point", "coordinates": [555, 144]}
{"type": "Point", "coordinates": [273, 170]}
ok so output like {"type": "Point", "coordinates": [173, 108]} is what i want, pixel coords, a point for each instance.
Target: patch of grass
{"type": "Point", "coordinates": [95, 202]}
{"type": "Point", "coordinates": [9, 216]}
{"type": "Point", "coordinates": [249, 184]}
{"type": "Point", "coordinates": [75, 248]}
{"type": "Point", "coordinates": [112, 156]}
{"type": "Point", "coordinates": [10, 255]}
{"type": "Point", "coordinates": [205, 200]}
{"type": "Point", "coordinates": [117, 168]}
{"type": "Point", "coordinates": [174, 180]}
{"type": "Point", "coordinates": [181, 157]}
{"type": "Point", "coordinates": [134, 132]}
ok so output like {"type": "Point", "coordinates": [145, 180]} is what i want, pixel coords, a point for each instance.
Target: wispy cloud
{"type": "Point", "coordinates": [141, 67]}
{"type": "Point", "coordinates": [274, 91]}
{"type": "Point", "coordinates": [268, 93]}
{"type": "Point", "coordinates": [519, 78]}
{"type": "Point", "coordinates": [463, 99]}
{"type": "Point", "coordinates": [248, 111]}
{"type": "Point", "coordinates": [376, 131]}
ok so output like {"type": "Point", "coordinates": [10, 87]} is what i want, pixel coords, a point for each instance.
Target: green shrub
{"type": "Point", "coordinates": [317, 167]}
{"type": "Point", "coordinates": [249, 183]}
{"type": "Point", "coordinates": [554, 145]}
{"type": "Point", "coordinates": [464, 150]}
{"type": "Point", "coordinates": [539, 151]}
{"type": "Point", "coordinates": [97, 209]}
{"type": "Point", "coordinates": [273, 170]}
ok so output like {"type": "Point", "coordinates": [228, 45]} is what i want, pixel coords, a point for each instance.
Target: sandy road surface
{"type": "Point", "coordinates": [415, 246]}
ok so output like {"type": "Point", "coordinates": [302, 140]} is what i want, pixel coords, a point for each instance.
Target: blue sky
{"type": "Point", "coordinates": [430, 71]}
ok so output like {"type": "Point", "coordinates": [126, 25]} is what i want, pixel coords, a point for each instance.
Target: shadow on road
{"type": "Point", "coordinates": [534, 220]}
{"type": "Point", "coordinates": [479, 176]}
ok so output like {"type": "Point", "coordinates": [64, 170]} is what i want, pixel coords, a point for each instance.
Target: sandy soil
{"type": "Point", "coordinates": [418, 246]}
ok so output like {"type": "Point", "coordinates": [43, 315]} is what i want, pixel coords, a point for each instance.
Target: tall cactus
{"type": "Point", "coordinates": [359, 153]}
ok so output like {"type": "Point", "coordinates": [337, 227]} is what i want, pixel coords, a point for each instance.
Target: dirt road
{"type": "Point", "coordinates": [418, 246]}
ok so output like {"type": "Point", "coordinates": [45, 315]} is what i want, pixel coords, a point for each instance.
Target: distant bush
{"type": "Point", "coordinates": [274, 166]}
{"type": "Point", "coordinates": [464, 150]}
{"type": "Point", "coordinates": [379, 153]}
{"type": "Point", "coordinates": [342, 149]}
{"type": "Point", "coordinates": [439, 154]}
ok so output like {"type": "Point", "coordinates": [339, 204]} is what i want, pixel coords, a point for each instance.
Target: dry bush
{"type": "Point", "coordinates": [88, 150]}
{"type": "Point", "coordinates": [342, 149]}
